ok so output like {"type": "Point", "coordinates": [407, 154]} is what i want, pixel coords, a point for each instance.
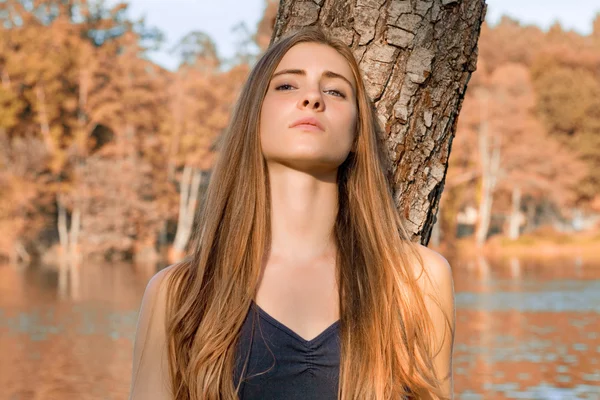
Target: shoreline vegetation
{"type": "Point", "coordinates": [540, 245]}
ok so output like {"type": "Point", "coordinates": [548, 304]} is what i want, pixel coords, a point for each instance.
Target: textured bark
{"type": "Point", "coordinates": [417, 57]}
{"type": "Point", "coordinates": [436, 230]}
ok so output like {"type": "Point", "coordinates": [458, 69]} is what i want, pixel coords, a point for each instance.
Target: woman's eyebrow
{"type": "Point", "coordinates": [327, 74]}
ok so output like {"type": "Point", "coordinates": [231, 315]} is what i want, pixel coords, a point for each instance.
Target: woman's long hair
{"type": "Point", "coordinates": [386, 333]}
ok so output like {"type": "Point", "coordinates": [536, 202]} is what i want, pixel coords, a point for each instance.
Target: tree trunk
{"type": "Point", "coordinates": [416, 58]}
{"type": "Point", "coordinates": [63, 231]}
{"type": "Point", "coordinates": [515, 215]}
{"type": "Point", "coordinates": [74, 235]}
{"type": "Point", "coordinates": [489, 153]}
{"type": "Point", "coordinates": [68, 236]}
{"type": "Point", "coordinates": [188, 200]}
{"type": "Point", "coordinates": [436, 230]}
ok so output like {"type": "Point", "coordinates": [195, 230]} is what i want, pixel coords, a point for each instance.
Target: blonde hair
{"type": "Point", "coordinates": [386, 333]}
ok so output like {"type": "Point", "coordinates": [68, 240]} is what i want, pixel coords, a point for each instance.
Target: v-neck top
{"type": "Point", "coordinates": [282, 364]}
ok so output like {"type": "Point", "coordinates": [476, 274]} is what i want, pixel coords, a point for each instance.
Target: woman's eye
{"type": "Point", "coordinates": [281, 86]}
{"type": "Point", "coordinates": [338, 93]}
{"type": "Point", "coordinates": [286, 86]}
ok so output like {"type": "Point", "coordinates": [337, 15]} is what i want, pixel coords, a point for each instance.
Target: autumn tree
{"type": "Point", "coordinates": [510, 41]}
{"type": "Point", "coordinates": [201, 96]}
{"type": "Point", "coordinates": [41, 84]}
{"type": "Point", "coordinates": [132, 105]}
{"type": "Point", "coordinates": [22, 161]}
{"type": "Point", "coordinates": [54, 62]}
{"type": "Point", "coordinates": [567, 79]}
{"type": "Point", "coordinates": [502, 130]}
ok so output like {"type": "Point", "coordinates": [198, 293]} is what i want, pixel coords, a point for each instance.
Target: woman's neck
{"type": "Point", "coordinates": [303, 213]}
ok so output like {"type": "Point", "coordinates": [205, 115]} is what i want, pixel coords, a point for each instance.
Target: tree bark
{"type": "Point", "coordinates": [416, 57]}
{"type": "Point", "coordinates": [436, 230]}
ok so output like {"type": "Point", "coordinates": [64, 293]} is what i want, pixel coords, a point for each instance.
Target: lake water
{"type": "Point", "coordinates": [526, 329]}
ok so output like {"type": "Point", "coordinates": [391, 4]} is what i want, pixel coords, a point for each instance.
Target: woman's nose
{"type": "Point", "coordinates": [311, 99]}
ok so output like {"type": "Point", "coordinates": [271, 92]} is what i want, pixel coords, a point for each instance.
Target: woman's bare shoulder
{"type": "Point", "coordinates": [156, 287]}
{"type": "Point", "coordinates": [154, 301]}
{"type": "Point", "coordinates": [434, 276]}
{"type": "Point", "coordinates": [150, 375]}
{"type": "Point", "coordinates": [438, 289]}
{"type": "Point", "coordinates": [435, 266]}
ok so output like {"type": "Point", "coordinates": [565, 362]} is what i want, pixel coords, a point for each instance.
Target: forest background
{"type": "Point", "coordinates": [105, 155]}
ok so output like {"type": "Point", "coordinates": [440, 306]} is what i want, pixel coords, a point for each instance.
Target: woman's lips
{"type": "Point", "coordinates": [308, 127]}
{"type": "Point", "coordinates": [306, 122]}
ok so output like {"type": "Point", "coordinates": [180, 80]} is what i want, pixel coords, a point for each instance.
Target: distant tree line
{"type": "Point", "coordinates": [105, 154]}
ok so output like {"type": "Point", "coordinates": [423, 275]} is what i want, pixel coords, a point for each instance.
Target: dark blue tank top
{"type": "Point", "coordinates": [284, 366]}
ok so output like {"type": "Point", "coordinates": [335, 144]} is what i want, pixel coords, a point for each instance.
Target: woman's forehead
{"type": "Point", "coordinates": [316, 58]}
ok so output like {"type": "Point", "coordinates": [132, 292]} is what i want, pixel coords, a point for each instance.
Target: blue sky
{"type": "Point", "coordinates": [216, 18]}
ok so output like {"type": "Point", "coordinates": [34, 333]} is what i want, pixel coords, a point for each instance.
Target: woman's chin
{"type": "Point", "coordinates": [312, 162]}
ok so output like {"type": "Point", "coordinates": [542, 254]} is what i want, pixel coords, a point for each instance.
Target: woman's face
{"type": "Point", "coordinates": [311, 81]}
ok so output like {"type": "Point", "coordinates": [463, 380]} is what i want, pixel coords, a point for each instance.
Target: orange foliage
{"type": "Point", "coordinates": [538, 95]}
{"type": "Point", "coordinates": [111, 129]}
{"type": "Point", "coordinates": [85, 117]}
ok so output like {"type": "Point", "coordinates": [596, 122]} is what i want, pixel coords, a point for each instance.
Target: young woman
{"type": "Point", "coordinates": [301, 282]}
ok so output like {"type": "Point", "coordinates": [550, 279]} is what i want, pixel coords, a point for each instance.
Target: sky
{"type": "Point", "coordinates": [217, 17]}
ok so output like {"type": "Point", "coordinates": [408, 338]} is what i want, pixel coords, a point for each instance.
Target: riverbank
{"type": "Point", "coordinates": [538, 245]}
